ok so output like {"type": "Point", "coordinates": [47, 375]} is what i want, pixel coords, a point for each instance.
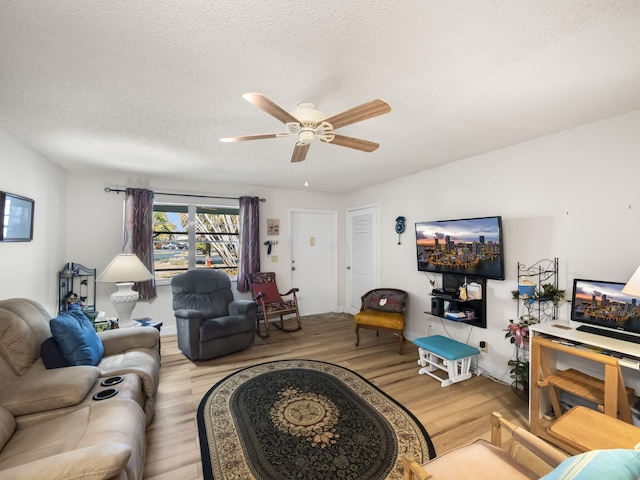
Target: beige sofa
{"type": "Point", "coordinates": [50, 424]}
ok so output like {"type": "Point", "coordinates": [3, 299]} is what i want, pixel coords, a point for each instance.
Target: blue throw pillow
{"type": "Point", "coordinates": [51, 354]}
{"type": "Point", "coordinates": [77, 338]}
{"type": "Point", "coordinates": [614, 464]}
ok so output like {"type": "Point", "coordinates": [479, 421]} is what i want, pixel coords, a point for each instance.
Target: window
{"type": "Point", "coordinates": [194, 236]}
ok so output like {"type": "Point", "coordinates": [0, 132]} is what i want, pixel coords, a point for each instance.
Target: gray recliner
{"type": "Point", "coordinates": [210, 322]}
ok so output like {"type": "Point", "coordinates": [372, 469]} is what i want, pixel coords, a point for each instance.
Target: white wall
{"type": "Point", "coordinates": [95, 239]}
{"type": "Point", "coordinates": [572, 195]}
{"type": "Point", "coordinates": [30, 269]}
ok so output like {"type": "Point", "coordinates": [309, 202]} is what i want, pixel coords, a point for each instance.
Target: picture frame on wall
{"type": "Point", "coordinates": [17, 218]}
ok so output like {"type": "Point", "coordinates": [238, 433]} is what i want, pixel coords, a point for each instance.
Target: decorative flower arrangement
{"type": "Point", "coordinates": [518, 332]}
{"type": "Point", "coordinates": [73, 301]}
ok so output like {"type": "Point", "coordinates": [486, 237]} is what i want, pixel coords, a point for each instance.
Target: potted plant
{"type": "Point", "coordinates": [518, 334]}
{"type": "Point", "coordinates": [520, 372]}
{"type": "Point", "coordinates": [551, 293]}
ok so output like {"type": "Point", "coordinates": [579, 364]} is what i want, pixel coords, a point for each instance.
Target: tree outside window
{"type": "Point", "coordinates": [194, 236]}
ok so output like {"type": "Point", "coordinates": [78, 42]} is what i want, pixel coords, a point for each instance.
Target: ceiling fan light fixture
{"type": "Point", "coordinates": [306, 137]}
{"type": "Point", "coordinates": [307, 113]}
{"type": "Point", "coordinates": [306, 123]}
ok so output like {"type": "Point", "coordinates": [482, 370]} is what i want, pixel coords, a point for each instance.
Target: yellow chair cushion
{"type": "Point", "coordinates": [376, 318]}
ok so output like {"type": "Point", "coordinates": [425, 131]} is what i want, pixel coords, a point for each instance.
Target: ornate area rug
{"type": "Point", "coordinates": [304, 419]}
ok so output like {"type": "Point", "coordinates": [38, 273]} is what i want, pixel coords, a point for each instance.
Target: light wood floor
{"type": "Point", "coordinates": [452, 415]}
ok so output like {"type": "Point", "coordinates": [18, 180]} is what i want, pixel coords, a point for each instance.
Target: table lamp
{"type": "Point", "coordinates": [124, 270]}
{"type": "Point", "coordinates": [632, 288]}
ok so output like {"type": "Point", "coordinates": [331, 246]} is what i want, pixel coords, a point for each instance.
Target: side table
{"type": "Point", "coordinates": [149, 322]}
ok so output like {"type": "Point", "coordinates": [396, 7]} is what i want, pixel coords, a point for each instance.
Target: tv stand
{"type": "Point", "coordinates": [471, 311]}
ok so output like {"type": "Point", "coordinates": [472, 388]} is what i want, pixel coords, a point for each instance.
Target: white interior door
{"type": "Point", "coordinates": [314, 260]}
{"type": "Point", "coordinates": [362, 254]}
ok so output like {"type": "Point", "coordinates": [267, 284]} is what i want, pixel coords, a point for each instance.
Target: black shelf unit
{"type": "Point", "coordinates": [78, 279]}
{"type": "Point", "coordinates": [538, 309]}
{"type": "Point", "coordinates": [450, 293]}
{"type": "Point", "coordinates": [541, 272]}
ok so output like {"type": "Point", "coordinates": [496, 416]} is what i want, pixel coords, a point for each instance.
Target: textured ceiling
{"type": "Point", "coordinates": [148, 87]}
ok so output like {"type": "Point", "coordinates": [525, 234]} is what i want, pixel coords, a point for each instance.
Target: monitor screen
{"type": "Point", "coordinates": [602, 303]}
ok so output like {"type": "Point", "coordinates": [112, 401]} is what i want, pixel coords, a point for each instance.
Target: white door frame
{"type": "Point", "coordinates": [334, 252]}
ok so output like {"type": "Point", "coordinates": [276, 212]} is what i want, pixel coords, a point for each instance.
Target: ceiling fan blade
{"type": "Point", "coordinates": [253, 137]}
{"type": "Point", "coordinates": [356, 143]}
{"type": "Point", "coordinates": [269, 106]}
{"type": "Point", "coordinates": [300, 152]}
{"type": "Point", "coordinates": [357, 114]}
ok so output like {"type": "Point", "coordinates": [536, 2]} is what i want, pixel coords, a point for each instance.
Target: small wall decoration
{"type": "Point", "coordinates": [17, 218]}
{"type": "Point", "coordinates": [273, 226]}
{"type": "Point", "coordinates": [400, 226]}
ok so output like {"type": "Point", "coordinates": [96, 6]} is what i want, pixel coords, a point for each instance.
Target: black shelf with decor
{"type": "Point", "coordinates": [537, 298]}
{"type": "Point", "coordinates": [77, 283]}
{"type": "Point", "coordinates": [542, 277]}
{"type": "Point", "coordinates": [462, 299]}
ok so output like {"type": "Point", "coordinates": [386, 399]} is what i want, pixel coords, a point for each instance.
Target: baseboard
{"type": "Point", "coordinates": [169, 330]}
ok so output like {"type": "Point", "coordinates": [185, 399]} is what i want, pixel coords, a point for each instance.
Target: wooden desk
{"type": "Point", "coordinates": [583, 429]}
{"type": "Point", "coordinates": [609, 395]}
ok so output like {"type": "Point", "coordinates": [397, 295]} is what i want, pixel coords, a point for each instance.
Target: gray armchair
{"type": "Point", "coordinates": [210, 322]}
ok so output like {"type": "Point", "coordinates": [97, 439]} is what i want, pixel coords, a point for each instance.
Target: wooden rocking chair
{"type": "Point", "coordinates": [271, 304]}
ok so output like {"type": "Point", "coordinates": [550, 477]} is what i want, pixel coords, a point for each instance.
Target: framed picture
{"type": "Point", "coordinates": [273, 226]}
{"type": "Point", "coordinates": [17, 218]}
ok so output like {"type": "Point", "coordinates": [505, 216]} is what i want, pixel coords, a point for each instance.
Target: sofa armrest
{"type": "Point", "coordinates": [243, 307]}
{"type": "Point", "coordinates": [189, 314]}
{"type": "Point", "coordinates": [44, 390]}
{"type": "Point", "coordinates": [544, 453]}
{"type": "Point", "coordinates": [91, 463]}
{"type": "Point", "coordinates": [122, 340]}
{"type": "Point", "coordinates": [413, 470]}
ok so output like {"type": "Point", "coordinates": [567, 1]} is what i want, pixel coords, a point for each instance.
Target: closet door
{"type": "Point", "coordinates": [362, 254]}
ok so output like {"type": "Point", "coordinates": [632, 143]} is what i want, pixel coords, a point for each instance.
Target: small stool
{"type": "Point", "coordinates": [438, 352]}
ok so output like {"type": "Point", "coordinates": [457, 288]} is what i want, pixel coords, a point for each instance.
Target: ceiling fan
{"type": "Point", "coordinates": [308, 124]}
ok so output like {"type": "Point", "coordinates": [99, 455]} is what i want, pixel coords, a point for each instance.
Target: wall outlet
{"type": "Point", "coordinates": [482, 346]}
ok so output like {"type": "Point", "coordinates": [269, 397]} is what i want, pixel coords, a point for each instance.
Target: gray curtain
{"type": "Point", "coordinates": [138, 234]}
{"type": "Point", "coordinates": [249, 261]}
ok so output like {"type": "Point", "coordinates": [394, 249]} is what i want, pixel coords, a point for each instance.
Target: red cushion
{"type": "Point", "coordinates": [269, 290]}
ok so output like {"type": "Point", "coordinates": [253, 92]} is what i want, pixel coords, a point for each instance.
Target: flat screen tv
{"type": "Point", "coordinates": [469, 246]}
{"type": "Point", "coordinates": [603, 304]}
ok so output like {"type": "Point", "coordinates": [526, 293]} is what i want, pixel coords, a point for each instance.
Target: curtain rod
{"type": "Point", "coordinates": [119, 190]}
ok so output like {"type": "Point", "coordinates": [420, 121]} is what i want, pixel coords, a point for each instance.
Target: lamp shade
{"type": "Point", "coordinates": [632, 288]}
{"type": "Point", "coordinates": [125, 267]}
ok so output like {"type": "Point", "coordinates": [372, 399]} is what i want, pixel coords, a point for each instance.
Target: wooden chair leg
{"type": "Point", "coordinates": [266, 328]}
{"type": "Point", "coordinates": [357, 334]}
{"type": "Point", "coordinates": [298, 319]}
{"type": "Point", "coordinates": [280, 325]}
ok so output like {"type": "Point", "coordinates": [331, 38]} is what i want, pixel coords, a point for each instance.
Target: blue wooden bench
{"type": "Point", "coordinates": [438, 352]}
